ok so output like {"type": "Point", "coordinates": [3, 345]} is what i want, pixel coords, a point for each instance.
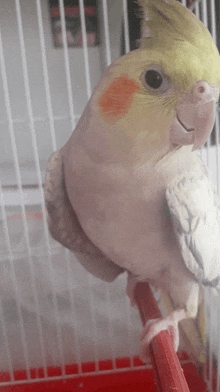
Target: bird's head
{"type": "Point", "coordinates": [162, 95]}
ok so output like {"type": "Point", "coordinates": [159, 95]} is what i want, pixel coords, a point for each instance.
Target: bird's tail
{"type": "Point", "coordinates": [192, 331]}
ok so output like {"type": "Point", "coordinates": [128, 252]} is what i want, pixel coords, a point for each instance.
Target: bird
{"type": "Point", "coordinates": [128, 191]}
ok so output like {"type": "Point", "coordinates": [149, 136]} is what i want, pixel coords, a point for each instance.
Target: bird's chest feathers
{"type": "Point", "coordinates": [121, 211]}
{"type": "Point", "coordinates": [105, 192]}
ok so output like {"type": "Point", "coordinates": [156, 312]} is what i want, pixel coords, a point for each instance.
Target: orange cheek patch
{"type": "Point", "coordinates": [116, 100]}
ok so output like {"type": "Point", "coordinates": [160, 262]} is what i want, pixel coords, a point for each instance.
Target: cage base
{"type": "Point", "coordinates": [124, 381]}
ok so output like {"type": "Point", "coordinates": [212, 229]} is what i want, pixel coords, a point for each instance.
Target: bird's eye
{"type": "Point", "coordinates": [155, 80]}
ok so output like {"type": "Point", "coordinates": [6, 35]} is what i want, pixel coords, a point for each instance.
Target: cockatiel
{"type": "Point", "coordinates": [128, 192]}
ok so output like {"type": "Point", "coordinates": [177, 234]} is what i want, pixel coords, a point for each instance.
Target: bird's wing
{"type": "Point", "coordinates": [64, 225]}
{"type": "Point", "coordinates": [195, 211]}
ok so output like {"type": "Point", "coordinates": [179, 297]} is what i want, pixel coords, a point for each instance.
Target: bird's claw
{"type": "Point", "coordinates": [153, 327]}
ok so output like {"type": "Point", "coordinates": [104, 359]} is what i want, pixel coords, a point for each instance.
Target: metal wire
{"type": "Point", "coordinates": [126, 26]}
{"type": "Point", "coordinates": [20, 317]}
{"type": "Point", "coordinates": [85, 48]}
{"type": "Point", "coordinates": [67, 65]}
{"type": "Point", "coordinates": [106, 29]}
{"type": "Point", "coordinates": [38, 171]}
{"type": "Point", "coordinates": [46, 76]}
{"type": "Point", "coordinates": [73, 312]}
{"type": "Point", "coordinates": [5, 335]}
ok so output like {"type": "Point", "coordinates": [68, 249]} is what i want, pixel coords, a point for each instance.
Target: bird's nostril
{"type": "Point", "coordinates": [201, 89]}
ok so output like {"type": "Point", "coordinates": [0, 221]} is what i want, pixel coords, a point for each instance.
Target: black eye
{"type": "Point", "coordinates": [153, 79]}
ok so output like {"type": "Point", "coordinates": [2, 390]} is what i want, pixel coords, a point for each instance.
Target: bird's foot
{"type": "Point", "coordinates": [153, 327]}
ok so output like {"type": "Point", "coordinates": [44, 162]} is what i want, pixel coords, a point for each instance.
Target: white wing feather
{"type": "Point", "coordinates": [195, 211]}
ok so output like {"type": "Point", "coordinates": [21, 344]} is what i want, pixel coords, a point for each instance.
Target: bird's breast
{"type": "Point", "coordinates": [124, 215]}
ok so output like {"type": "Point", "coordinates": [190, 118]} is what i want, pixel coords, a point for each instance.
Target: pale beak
{"type": "Point", "coordinates": [195, 116]}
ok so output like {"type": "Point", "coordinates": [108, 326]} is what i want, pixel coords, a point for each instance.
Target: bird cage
{"type": "Point", "coordinates": [60, 327]}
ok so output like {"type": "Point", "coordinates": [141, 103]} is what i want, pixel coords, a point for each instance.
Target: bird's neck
{"type": "Point", "coordinates": [176, 161]}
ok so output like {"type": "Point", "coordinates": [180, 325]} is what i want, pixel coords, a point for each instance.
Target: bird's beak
{"type": "Point", "coordinates": [195, 116]}
{"type": "Point", "coordinates": [203, 121]}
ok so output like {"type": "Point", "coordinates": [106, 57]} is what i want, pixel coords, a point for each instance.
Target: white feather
{"type": "Point", "coordinates": [195, 212]}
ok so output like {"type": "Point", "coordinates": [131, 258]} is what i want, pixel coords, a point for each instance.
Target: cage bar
{"type": "Point", "coordinates": [37, 164]}
{"type": "Point", "coordinates": [126, 26]}
{"type": "Point", "coordinates": [77, 347]}
{"type": "Point", "coordinates": [67, 65]}
{"type": "Point", "coordinates": [85, 48]}
{"type": "Point", "coordinates": [46, 76]}
{"type": "Point", "coordinates": [106, 29]}
{"type": "Point", "coordinates": [110, 331]}
{"type": "Point", "coordinates": [6, 342]}
{"type": "Point", "coordinates": [11, 260]}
